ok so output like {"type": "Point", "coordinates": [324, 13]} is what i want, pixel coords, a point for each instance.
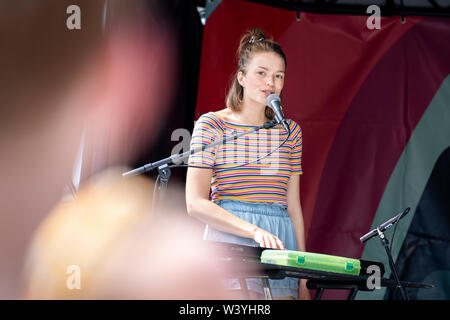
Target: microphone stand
{"type": "Point", "coordinates": [164, 171]}
{"type": "Point", "coordinates": [384, 241]}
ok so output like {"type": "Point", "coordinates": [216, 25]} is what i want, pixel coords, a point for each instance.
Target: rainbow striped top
{"type": "Point", "coordinates": [262, 181]}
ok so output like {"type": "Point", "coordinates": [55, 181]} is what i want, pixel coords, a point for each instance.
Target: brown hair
{"type": "Point", "coordinates": [252, 41]}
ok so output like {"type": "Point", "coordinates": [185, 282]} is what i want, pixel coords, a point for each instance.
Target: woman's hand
{"type": "Point", "coordinates": [267, 240]}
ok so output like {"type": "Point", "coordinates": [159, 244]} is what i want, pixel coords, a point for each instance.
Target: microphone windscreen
{"type": "Point", "coordinates": [272, 98]}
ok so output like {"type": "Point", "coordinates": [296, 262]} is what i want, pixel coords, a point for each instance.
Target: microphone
{"type": "Point", "coordinates": [274, 102]}
{"type": "Point", "coordinates": [384, 226]}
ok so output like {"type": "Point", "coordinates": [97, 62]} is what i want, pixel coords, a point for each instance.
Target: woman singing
{"type": "Point", "coordinates": [255, 203]}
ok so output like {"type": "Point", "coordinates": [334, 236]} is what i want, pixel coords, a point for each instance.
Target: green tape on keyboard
{"type": "Point", "coordinates": [314, 261]}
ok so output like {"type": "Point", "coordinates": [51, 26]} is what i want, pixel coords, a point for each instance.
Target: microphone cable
{"type": "Point", "coordinates": [210, 168]}
{"type": "Point", "coordinates": [239, 165]}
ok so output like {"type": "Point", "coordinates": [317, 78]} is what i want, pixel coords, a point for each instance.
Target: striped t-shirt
{"type": "Point", "coordinates": [263, 181]}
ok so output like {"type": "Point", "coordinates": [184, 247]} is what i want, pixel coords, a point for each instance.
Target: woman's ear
{"type": "Point", "coordinates": [240, 78]}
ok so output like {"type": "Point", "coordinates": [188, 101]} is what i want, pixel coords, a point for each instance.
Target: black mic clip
{"type": "Point", "coordinates": [269, 124]}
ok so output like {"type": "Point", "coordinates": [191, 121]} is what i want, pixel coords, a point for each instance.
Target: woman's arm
{"type": "Point", "coordinates": [198, 205]}
{"type": "Point", "coordinates": [295, 212]}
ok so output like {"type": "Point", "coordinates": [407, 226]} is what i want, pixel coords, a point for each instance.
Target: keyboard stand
{"type": "Point", "coordinates": [266, 288]}
{"type": "Point", "coordinates": [320, 287]}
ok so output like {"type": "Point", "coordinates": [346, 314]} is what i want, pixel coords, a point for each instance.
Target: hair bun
{"type": "Point", "coordinates": [250, 37]}
{"type": "Point", "coordinates": [256, 35]}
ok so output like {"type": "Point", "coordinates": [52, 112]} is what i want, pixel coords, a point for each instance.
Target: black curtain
{"type": "Point", "coordinates": [185, 20]}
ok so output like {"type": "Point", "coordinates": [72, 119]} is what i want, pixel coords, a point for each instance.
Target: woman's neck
{"type": "Point", "coordinates": [251, 114]}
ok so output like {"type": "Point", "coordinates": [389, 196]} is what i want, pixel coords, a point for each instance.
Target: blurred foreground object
{"type": "Point", "coordinates": [104, 81]}
{"type": "Point", "coordinates": [119, 248]}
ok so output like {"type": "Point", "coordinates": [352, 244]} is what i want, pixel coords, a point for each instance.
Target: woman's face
{"type": "Point", "coordinates": [265, 75]}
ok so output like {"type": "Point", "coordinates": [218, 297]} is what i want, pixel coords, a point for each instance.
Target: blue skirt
{"type": "Point", "coordinates": [273, 218]}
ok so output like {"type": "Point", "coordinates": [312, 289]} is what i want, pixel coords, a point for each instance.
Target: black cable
{"type": "Point", "coordinates": [402, 290]}
{"type": "Point", "coordinates": [393, 233]}
{"type": "Point", "coordinates": [241, 165]}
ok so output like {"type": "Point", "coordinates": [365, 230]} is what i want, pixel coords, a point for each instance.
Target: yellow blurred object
{"type": "Point", "coordinates": [120, 249]}
{"type": "Point", "coordinates": [83, 232]}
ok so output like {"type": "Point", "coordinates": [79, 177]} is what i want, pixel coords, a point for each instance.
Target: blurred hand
{"type": "Point", "coordinates": [268, 240]}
